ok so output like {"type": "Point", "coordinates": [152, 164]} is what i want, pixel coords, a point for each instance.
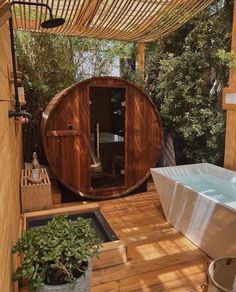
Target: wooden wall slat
{"type": "Point", "coordinates": [10, 165]}
{"type": "Point", "coordinates": [141, 58]}
{"type": "Point", "coordinates": [5, 12]}
{"type": "Point", "coordinates": [230, 135]}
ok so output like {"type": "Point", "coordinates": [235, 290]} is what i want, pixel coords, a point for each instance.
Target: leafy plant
{"type": "Point", "coordinates": [186, 73]}
{"type": "Point", "coordinates": [226, 58]}
{"type": "Point", "coordinates": [57, 253]}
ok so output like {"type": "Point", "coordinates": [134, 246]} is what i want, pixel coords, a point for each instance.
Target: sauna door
{"type": "Point", "coordinates": [107, 137]}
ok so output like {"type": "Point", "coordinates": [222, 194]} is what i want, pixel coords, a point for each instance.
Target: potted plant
{"type": "Point", "coordinates": [57, 257]}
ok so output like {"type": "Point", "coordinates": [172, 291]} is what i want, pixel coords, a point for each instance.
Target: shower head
{"type": "Point", "coordinates": [52, 22]}
{"type": "Point", "coordinates": [49, 23]}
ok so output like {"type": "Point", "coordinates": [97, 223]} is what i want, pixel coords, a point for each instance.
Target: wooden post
{"type": "Point", "coordinates": [5, 12]}
{"type": "Point", "coordinates": [141, 58]}
{"type": "Point", "coordinates": [230, 135]}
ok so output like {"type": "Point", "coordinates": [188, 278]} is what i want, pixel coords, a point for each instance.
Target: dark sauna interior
{"type": "Point", "coordinates": [107, 136]}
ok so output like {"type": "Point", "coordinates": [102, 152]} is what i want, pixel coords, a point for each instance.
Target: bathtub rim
{"type": "Point", "coordinates": [205, 165]}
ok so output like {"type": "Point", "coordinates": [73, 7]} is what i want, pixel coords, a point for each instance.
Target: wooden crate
{"type": "Point", "coordinates": [35, 197]}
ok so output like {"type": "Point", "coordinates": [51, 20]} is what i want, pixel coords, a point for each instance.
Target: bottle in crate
{"type": "Point", "coordinates": [35, 168]}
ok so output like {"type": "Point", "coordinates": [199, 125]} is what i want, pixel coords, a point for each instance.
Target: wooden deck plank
{"type": "Point", "coordinates": [132, 270]}
{"type": "Point", "coordinates": [128, 230]}
{"type": "Point", "coordinates": [160, 258]}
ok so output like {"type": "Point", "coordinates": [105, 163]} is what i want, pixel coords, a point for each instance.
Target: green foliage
{"type": "Point", "coordinates": [186, 73]}
{"type": "Point", "coordinates": [135, 77]}
{"type": "Point", "coordinates": [46, 62]}
{"type": "Point", "coordinates": [55, 253]}
{"type": "Point", "coordinates": [226, 58]}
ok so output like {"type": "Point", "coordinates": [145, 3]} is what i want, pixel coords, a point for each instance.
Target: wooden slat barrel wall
{"type": "Point", "coordinates": [143, 136]}
{"type": "Point", "coordinates": [68, 150]}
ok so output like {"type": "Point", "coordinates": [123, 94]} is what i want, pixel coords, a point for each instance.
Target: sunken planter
{"type": "Point", "coordinates": [56, 257]}
{"type": "Point", "coordinates": [113, 251]}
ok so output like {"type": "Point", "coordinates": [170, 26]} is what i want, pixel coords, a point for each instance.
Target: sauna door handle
{"type": "Point", "coordinates": [63, 133]}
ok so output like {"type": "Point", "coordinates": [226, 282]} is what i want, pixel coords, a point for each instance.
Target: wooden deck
{"type": "Point", "coordinates": [159, 258]}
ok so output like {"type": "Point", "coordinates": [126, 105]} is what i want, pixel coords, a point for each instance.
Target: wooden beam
{"type": "Point", "coordinates": [230, 135]}
{"type": "Point", "coordinates": [141, 58]}
{"type": "Point", "coordinates": [5, 12]}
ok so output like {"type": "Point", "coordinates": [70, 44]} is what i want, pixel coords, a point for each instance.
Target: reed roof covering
{"type": "Point", "coordinates": [129, 20]}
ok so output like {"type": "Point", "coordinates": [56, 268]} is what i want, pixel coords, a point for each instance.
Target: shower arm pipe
{"type": "Point", "coordinates": [17, 102]}
{"type": "Point", "coordinates": [13, 57]}
{"type": "Point", "coordinates": [33, 4]}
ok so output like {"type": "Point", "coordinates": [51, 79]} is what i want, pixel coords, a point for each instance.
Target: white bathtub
{"type": "Point", "coordinates": [199, 200]}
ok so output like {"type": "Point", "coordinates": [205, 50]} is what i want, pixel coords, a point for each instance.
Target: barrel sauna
{"type": "Point", "coordinates": [101, 136]}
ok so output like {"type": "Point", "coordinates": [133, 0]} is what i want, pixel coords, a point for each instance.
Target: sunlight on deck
{"type": "Point", "coordinates": [159, 258]}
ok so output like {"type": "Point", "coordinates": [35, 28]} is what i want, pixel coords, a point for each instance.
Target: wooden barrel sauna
{"type": "Point", "coordinates": [101, 136]}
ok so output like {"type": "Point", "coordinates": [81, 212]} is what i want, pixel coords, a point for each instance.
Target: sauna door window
{"type": "Point", "coordinates": [107, 137]}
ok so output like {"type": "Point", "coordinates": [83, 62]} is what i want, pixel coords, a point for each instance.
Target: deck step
{"type": "Point", "coordinates": [150, 187]}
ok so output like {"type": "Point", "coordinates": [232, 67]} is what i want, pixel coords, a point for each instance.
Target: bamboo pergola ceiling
{"type": "Point", "coordinates": [130, 20]}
